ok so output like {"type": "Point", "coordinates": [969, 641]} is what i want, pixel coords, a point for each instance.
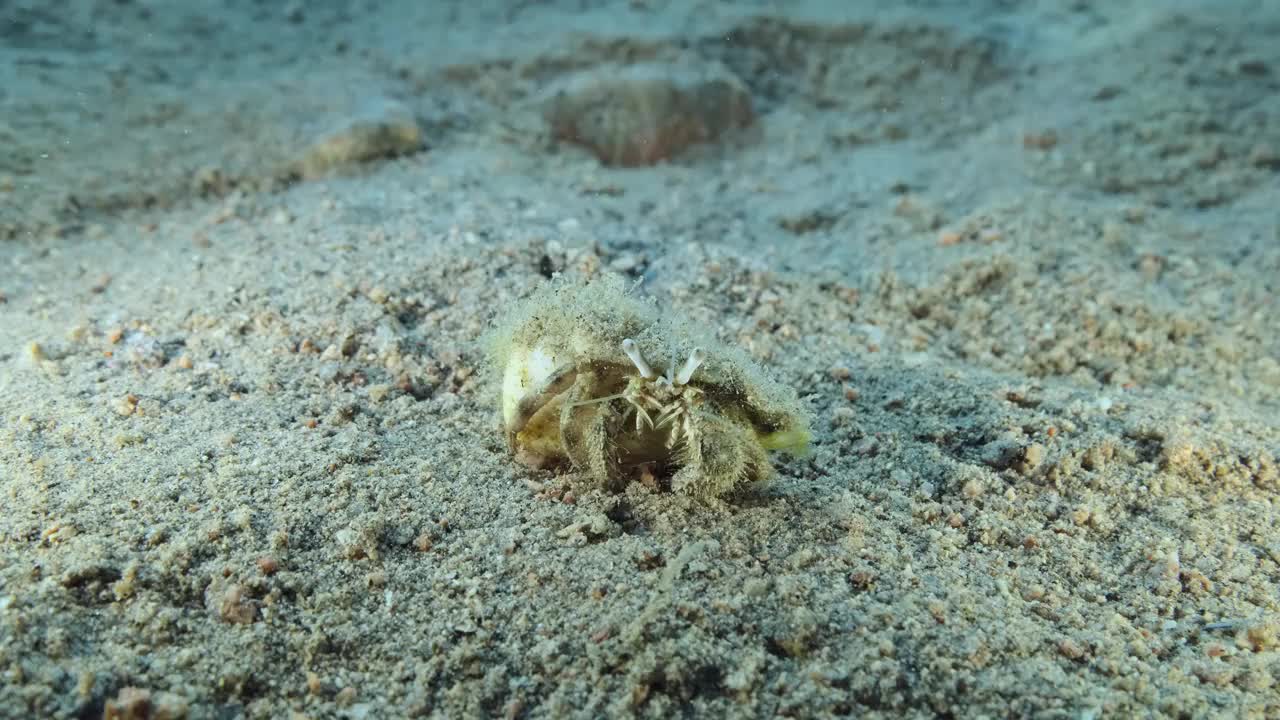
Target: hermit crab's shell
{"type": "Point", "coordinates": [566, 329]}
{"type": "Point", "coordinates": [564, 324]}
{"type": "Point", "coordinates": [526, 369]}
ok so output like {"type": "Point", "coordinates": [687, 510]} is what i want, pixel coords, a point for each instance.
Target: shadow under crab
{"type": "Point", "coordinates": [578, 388]}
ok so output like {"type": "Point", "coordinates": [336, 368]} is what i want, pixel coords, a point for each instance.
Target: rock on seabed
{"type": "Point", "coordinates": [379, 128]}
{"type": "Point", "coordinates": [643, 114]}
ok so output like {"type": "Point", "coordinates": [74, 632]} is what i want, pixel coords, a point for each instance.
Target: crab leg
{"type": "Point", "coordinates": [642, 414]}
{"type": "Point", "coordinates": [674, 437]}
{"type": "Point", "coordinates": [668, 416]}
{"type": "Point", "coordinates": [594, 401]}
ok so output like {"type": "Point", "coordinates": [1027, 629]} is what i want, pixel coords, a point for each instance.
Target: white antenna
{"type": "Point", "coordinates": [633, 351]}
{"type": "Point", "coordinates": [695, 359]}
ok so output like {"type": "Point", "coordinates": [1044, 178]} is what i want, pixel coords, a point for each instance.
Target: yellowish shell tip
{"type": "Point", "coordinates": [795, 441]}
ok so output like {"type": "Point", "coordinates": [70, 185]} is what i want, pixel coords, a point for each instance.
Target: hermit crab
{"type": "Point", "coordinates": [595, 378]}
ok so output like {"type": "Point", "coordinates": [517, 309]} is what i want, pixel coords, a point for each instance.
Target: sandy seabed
{"type": "Point", "coordinates": [1019, 260]}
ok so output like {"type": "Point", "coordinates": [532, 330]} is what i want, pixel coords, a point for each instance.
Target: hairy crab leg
{"type": "Point", "coordinates": [674, 437]}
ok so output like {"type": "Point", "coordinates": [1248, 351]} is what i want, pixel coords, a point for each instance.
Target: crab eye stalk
{"type": "Point", "coordinates": [690, 366]}
{"type": "Point", "coordinates": [633, 351]}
